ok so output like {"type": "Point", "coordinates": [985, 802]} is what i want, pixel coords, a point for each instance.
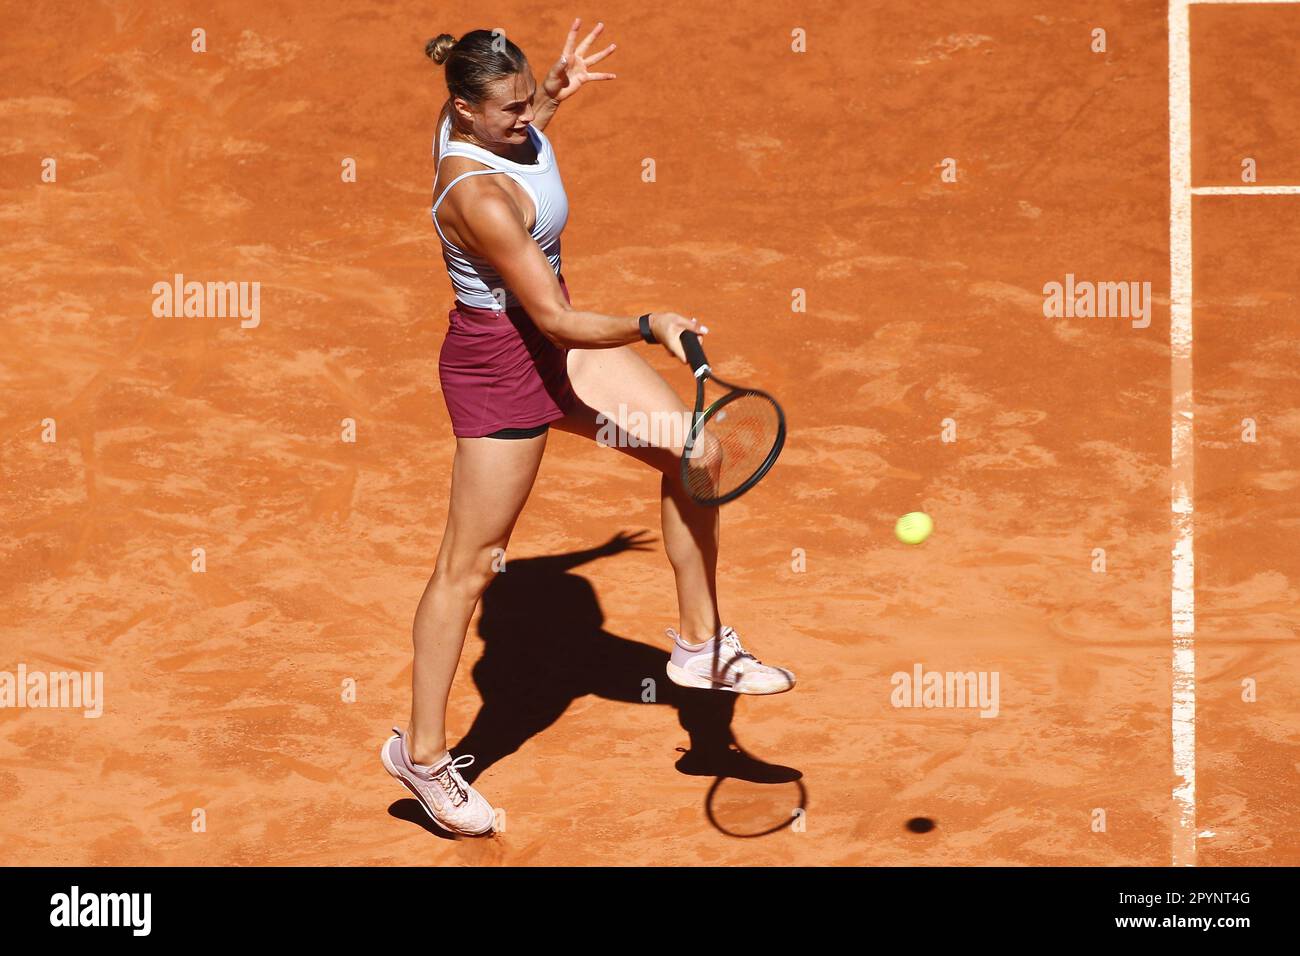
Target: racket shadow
{"type": "Point", "coordinates": [546, 646]}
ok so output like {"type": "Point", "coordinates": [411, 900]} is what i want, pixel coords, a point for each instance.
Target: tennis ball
{"type": "Point", "coordinates": [914, 527]}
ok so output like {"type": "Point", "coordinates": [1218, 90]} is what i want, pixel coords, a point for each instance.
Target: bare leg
{"type": "Point", "coordinates": [605, 379]}
{"type": "Point", "coordinates": [490, 481]}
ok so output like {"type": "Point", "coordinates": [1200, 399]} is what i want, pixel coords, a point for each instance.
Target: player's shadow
{"type": "Point", "coordinates": [546, 646]}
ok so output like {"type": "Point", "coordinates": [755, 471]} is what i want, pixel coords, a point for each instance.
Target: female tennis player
{"type": "Point", "coordinates": [517, 359]}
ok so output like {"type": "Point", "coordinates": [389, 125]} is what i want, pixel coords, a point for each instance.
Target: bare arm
{"type": "Point", "coordinates": [543, 109]}
{"type": "Point", "coordinates": [494, 227]}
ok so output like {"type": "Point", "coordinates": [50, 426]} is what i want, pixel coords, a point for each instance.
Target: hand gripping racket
{"type": "Point", "coordinates": [734, 441]}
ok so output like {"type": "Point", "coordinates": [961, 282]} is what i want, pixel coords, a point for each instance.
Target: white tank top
{"type": "Point", "coordinates": [473, 277]}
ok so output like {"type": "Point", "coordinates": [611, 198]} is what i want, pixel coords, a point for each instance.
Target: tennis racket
{"type": "Point", "coordinates": [734, 441]}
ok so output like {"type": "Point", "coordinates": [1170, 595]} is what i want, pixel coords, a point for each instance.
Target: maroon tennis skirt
{"type": "Point", "coordinates": [499, 371]}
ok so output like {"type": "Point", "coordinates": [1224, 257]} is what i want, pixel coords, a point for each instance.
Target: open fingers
{"type": "Point", "coordinates": [597, 57]}
{"type": "Point", "coordinates": [634, 540]}
{"type": "Point", "coordinates": [571, 39]}
{"type": "Point", "coordinates": [582, 49]}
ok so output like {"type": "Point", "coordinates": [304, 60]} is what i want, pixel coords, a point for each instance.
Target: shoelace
{"type": "Point", "coordinates": [732, 640]}
{"type": "Point", "coordinates": [452, 783]}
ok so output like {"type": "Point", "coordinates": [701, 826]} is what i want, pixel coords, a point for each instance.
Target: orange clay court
{"type": "Point", "coordinates": [247, 702]}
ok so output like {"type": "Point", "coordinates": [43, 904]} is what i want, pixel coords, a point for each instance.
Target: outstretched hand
{"type": "Point", "coordinates": [572, 70]}
{"type": "Point", "coordinates": [623, 541]}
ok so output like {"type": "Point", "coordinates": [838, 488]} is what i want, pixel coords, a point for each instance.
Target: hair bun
{"type": "Point", "coordinates": [439, 48]}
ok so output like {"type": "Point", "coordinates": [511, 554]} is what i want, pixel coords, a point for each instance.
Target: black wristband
{"type": "Point", "coordinates": [646, 332]}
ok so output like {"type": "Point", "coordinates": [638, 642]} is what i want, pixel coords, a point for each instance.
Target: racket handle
{"type": "Point", "coordinates": [694, 351]}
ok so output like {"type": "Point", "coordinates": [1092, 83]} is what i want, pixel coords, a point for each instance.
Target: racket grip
{"type": "Point", "coordinates": [694, 351]}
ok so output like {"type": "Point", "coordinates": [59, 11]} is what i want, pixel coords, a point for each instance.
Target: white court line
{"type": "Point", "coordinates": [1183, 584]}
{"type": "Point", "coordinates": [1182, 435]}
{"type": "Point", "coordinates": [1246, 190]}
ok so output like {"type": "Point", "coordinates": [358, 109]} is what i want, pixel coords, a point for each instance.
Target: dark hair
{"type": "Point", "coordinates": [474, 61]}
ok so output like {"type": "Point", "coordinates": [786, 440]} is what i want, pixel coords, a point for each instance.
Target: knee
{"type": "Point", "coordinates": [706, 456]}
{"type": "Point", "coordinates": [703, 471]}
{"type": "Point", "coordinates": [469, 573]}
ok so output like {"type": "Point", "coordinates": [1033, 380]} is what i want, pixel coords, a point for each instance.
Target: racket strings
{"type": "Point", "coordinates": [732, 446]}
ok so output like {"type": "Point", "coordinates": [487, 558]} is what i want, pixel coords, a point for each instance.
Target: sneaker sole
{"type": "Point", "coordinates": [388, 765]}
{"type": "Point", "coordinates": [684, 678]}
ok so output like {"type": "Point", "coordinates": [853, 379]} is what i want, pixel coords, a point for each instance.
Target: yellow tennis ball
{"type": "Point", "coordinates": [914, 527]}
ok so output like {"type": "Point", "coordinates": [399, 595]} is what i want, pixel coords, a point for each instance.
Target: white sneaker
{"type": "Point", "coordinates": [722, 663]}
{"type": "Point", "coordinates": [449, 801]}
